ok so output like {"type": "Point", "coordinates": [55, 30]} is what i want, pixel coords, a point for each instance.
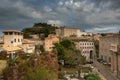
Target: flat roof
{"type": "Point", "coordinates": [81, 39]}
{"type": "Point", "coordinates": [13, 48]}
{"type": "Point", "coordinates": [27, 41]}
{"type": "Point", "coordinates": [12, 31]}
{"type": "Point", "coordinates": [69, 27]}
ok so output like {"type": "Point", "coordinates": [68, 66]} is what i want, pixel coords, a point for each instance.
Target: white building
{"type": "Point", "coordinates": [86, 47]}
{"type": "Point", "coordinates": [85, 34]}
{"type": "Point", "coordinates": [12, 38]}
{"type": "Point", "coordinates": [13, 41]}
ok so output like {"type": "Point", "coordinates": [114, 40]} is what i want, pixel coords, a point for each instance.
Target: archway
{"type": "Point", "coordinates": [91, 54]}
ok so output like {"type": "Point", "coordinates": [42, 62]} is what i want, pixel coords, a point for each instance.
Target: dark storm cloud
{"type": "Point", "coordinates": [114, 4]}
{"type": "Point", "coordinates": [88, 15]}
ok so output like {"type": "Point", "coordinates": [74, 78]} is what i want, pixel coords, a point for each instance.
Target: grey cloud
{"type": "Point", "coordinates": [104, 28]}
{"type": "Point", "coordinates": [84, 14]}
{"type": "Point", "coordinates": [114, 4]}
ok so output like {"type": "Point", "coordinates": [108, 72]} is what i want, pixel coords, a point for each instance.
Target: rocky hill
{"type": "Point", "coordinates": [41, 29]}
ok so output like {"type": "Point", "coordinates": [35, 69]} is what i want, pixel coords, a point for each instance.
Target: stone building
{"type": "Point", "coordinates": [49, 42]}
{"type": "Point", "coordinates": [105, 45]}
{"type": "Point", "coordinates": [115, 57]}
{"type": "Point", "coordinates": [67, 32]}
{"type": "Point", "coordinates": [71, 32]}
{"type": "Point", "coordinates": [87, 48]}
{"type": "Point", "coordinates": [97, 37]}
{"type": "Point", "coordinates": [13, 41]}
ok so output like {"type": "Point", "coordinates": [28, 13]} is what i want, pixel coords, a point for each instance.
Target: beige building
{"type": "Point", "coordinates": [49, 42]}
{"type": "Point", "coordinates": [13, 41]}
{"type": "Point", "coordinates": [35, 36]}
{"type": "Point", "coordinates": [1, 38]}
{"type": "Point", "coordinates": [28, 46]}
{"type": "Point", "coordinates": [67, 32]}
{"type": "Point", "coordinates": [110, 51]}
{"type": "Point", "coordinates": [12, 38]}
{"type": "Point", "coordinates": [71, 32]}
{"type": "Point", "coordinates": [87, 48]}
{"type": "Point", "coordinates": [115, 58]}
{"type": "Point", "coordinates": [105, 45]}
{"type": "Point", "coordinates": [97, 37]}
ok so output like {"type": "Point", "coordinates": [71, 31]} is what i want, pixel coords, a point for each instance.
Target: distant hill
{"type": "Point", "coordinates": [43, 29]}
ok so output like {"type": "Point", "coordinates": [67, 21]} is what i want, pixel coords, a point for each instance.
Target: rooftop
{"type": "Point", "coordinates": [26, 41]}
{"type": "Point", "coordinates": [69, 27]}
{"type": "Point", "coordinates": [13, 48]}
{"type": "Point", "coordinates": [12, 31]}
{"type": "Point", "coordinates": [81, 39]}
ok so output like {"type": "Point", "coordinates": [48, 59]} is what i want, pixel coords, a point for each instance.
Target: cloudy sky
{"type": "Point", "coordinates": [89, 15]}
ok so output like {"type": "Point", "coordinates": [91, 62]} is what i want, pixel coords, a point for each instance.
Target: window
{"type": "Point", "coordinates": [14, 40]}
{"type": "Point", "coordinates": [10, 33]}
{"type": "Point", "coordinates": [109, 60]}
{"type": "Point", "coordinates": [1, 46]}
{"type": "Point", "coordinates": [18, 40]}
{"type": "Point", "coordinates": [18, 33]}
{"type": "Point", "coordinates": [6, 33]}
{"type": "Point", "coordinates": [15, 33]}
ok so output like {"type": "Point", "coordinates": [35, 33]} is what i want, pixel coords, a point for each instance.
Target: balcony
{"type": "Point", "coordinates": [114, 47]}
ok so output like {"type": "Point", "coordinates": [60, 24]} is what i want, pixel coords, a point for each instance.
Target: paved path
{"type": "Point", "coordinates": [104, 71]}
{"type": "Point", "coordinates": [95, 71]}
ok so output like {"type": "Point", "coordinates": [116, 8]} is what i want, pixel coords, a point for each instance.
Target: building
{"type": "Point", "coordinates": [12, 38]}
{"type": "Point", "coordinates": [67, 32]}
{"type": "Point", "coordinates": [109, 51]}
{"type": "Point", "coordinates": [97, 37]}
{"type": "Point", "coordinates": [71, 32]}
{"type": "Point", "coordinates": [1, 38]}
{"type": "Point", "coordinates": [85, 34]}
{"type": "Point", "coordinates": [13, 41]}
{"type": "Point", "coordinates": [28, 46]}
{"type": "Point", "coordinates": [35, 36]}
{"type": "Point", "coordinates": [115, 58]}
{"type": "Point", "coordinates": [105, 45]}
{"type": "Point", "coordinates": [87, 48]}
{"type": "Point", "coordinates": [49, 42]}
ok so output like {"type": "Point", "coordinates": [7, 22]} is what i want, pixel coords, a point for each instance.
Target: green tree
{"type": "Point", "coordinates": [40, 28]}
{"type": "Point", "coordinates": [97, 48]}
{"type": "Point", "coordinates": [91, 77]}
{"type": "Point", "coordinates": [67, 52]}
{"type": "Point", "coordinates": [66, 43]}
{"type": "Point", "coordinates": [41, 73]}
{"type": "Point", "coordinates": [26, 35]}
{"type": "Point", "coordinates": [46, 32]}
{"type": "Point", "coordinates": [42, 48]}
{"type": "Point", "coordinates": [3, 55]}
{"type": "Point", "coordinates": [60, 50]}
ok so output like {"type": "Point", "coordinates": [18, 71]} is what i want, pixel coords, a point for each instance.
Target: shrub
{"type": "Point", "coordinates": [91, 77]}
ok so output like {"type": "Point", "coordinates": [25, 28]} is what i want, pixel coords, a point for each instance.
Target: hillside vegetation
{"type": "Point", "coordinates": [32, 67]}
{"type": "Point", "coordinates": [42, 29]}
